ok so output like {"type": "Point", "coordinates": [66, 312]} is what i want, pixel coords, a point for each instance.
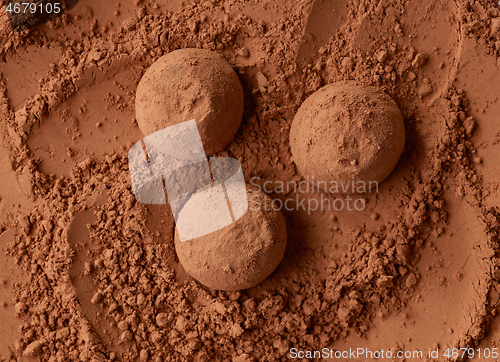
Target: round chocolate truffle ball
{"type": "Point", "coordinates": [347, 132]}
{"type": "Point", "coordinates": [241, 255]}
{"type": "Point", "coordinates": [191, 84]}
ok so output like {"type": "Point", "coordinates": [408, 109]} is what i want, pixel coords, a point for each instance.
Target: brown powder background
{"type": "Point", "coordinates": [90, 274]}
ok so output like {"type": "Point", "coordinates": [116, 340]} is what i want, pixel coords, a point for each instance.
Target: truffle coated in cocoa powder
{"type": "Point", "coordinates": [347, 132]}
{"type": "Point", "coordinates": [191, 84]}
{"type": "Point", "coordinates": [240, 255]}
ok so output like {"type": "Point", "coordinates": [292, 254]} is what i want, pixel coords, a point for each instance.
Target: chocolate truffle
{"type": "Point", "coordinates": [191, 84]}
{"type": "Point", "coordinates": [240, 255]}
{"type": "Point", "coordinates": [347, 132]}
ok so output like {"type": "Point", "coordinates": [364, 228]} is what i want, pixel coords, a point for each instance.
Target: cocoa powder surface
{"type": "Point", "coordinates": [91, 274]}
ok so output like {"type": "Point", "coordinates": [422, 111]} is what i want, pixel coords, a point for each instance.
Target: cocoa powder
{"type": "Point", "coordinates": [91, 274]}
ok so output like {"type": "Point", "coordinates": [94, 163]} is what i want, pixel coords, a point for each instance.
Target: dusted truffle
{"type": "Point", "coordinates": [191, 84]}
{"type": "Point", "coordinates": [347, 132]}
{"type": "Point", "coordinates": [240, 255]}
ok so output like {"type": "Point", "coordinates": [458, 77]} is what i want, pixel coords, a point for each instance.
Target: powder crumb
{"type": "Point", "coordinates": [469, 125]}
{"type": "Point", "coordinates": [96, 298]}
{"type": "Point", "coordinates": [496, 275]}
{"type": "Point", "coordinates": [180, 323]}
{"type": "Point", "coordinates": [162, 320]}
{"type": "Point", "coordinates": [347, 64]}
{"type": "Point", "coordinates": [411, 281]}
{"type": "Point", "coordinates": [420, 60]}
{"type": "Point", "coordinates": [126, 336]}
{"type": "Point", "coordinates": [382, 56]}
{"type": "Point", "coordinates": [424, 90]}
{"type": "Point", "coordinates": [34, 348]}
{"type": "Point", "coordinates": [244, 52]}
{"type": "Point", "coordinates": [20, 308]}
{"type": "Point", "coordinates": [123, 325]}
{"type": "Point", "coordinates": [236, 331]}
{"type": "Point", "coordinates": [495, 27]}
{"type": "Point", "coordinates": [411, 76]}
{"type": "Point", "coordinates": [262, 81]}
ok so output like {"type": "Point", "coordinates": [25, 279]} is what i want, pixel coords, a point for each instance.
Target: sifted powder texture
{"type": "Point", "coordinates": [90, 274]}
